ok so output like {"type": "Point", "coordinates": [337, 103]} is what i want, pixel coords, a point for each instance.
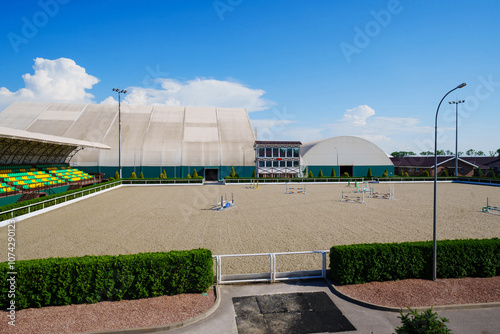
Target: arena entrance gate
{"type": "Point", "coordinates": [211, 174]}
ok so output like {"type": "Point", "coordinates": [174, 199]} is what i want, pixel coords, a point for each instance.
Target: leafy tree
{"type": "Point", "coordinates": [333, 173]}
{"type": "Point", "coordinates": [425, 173]}
{"type": "Point", "coordinates": [164, 174]}
{"type": "Point", "coordinates": [470, 152]}
{"type": "Point", "coordinates": [491, 173]}
{"type": "Point", "coordinates": [478, 172]}
{"type": "Point", "coordinates": [253, 174]}
{"type": "Point", "coordinates": [188, 176]}
{"type": "Point", "coordinates": [426, 153]}
{"type": "Point", "coordinates": [133, 176]}
{"type": "Point", "coordinates": [310, 174]}
{"type": "Point", "coordinates": [369, 173]}
{"type": "Point", "coordinates": [440, 152]}
{"type": "Point", "coordinates": [232, 173]}
{"type": "Point", "coordinates": [425, 322]}
{"type": "Point", "coordinates": [384, 174]}
{"type": "Point", "coordinates": [460, 154]}
{"type": "Point", "coordinates": [346, 174]}
{"type": "Point", "coordinates": [479, 153]}
{"type": "Point", "coordinates": [492, 153]}
{"type": "Point", "coordinates": [320, 174]}
{"type": "Point", "coordinates": [444, 173]}
{"type": "Point", "coordinates": [141, 176]}
{"type": "Point", "coordinates": [498, 151]}
{"type": "Point", "coordinates": [117, 175]}
{"type": "Point", "coordinates": [195, 174]}
{"type": "Point", "coordinates": [400, 154]}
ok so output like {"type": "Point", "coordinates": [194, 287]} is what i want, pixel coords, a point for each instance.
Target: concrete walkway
{"type": "Point", "coordinates": [364, 319]}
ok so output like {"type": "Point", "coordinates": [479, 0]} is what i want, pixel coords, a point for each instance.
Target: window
{"type": "Point", "coordinates": [269, 152]}
{"type": "Point", "coordinates": [289, 163]}
{"type": "Point", "coordinates": [262, 164]}
{"type": "Point", "coordinates": [262, 152]}
{"type": "Point", "coordinates": [282, 163]}
{"type": "Point", "coordinates": [269, 164]}
{"type": "Point", "coordinates": [296, 163]}
{"type": "Point", "coordinates": [289, 152]}
{"type": "Point", "coordinates": [275, 152]}
{"type": "Point", "coordinates": [295, 152]}
{"type": "Point", "coordinates": [283, 152]}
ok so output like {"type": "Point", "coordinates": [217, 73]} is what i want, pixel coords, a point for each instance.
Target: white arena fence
{"type": "Point", "coordinates": [273, 275]}
{"type": "Point", "coordinates": [27, 209]}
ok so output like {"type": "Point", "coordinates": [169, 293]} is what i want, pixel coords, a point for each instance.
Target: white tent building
{"type": "Point", "coordinates": [154, 138]}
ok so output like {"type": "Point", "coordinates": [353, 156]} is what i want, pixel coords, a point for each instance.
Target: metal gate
{"type": "Point", "coordinates": [273, 275]}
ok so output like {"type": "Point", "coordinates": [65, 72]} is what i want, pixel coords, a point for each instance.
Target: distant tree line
{"type": "Point", "coordinates": [469, 153]}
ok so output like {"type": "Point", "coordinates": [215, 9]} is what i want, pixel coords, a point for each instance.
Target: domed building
{"type": "Point", "coordinates": [345, 154]}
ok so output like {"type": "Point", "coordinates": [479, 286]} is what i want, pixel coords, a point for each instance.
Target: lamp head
{"type": "Point", "coordinates": [462, 85]}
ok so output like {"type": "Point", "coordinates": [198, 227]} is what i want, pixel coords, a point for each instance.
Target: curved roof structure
{"type": "Point", "coordinates": [348, 150]}
{"type": "Point", "coordinates": [23, 147]}
{"type": "Point", "coordinates": [151, 135]}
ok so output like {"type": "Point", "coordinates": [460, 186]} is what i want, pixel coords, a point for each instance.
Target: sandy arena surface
{"type": "Point", "coordinates": [162, 218]}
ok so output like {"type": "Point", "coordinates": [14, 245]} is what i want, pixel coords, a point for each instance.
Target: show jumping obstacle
{"type": "Point", "coordinates": [389, 195]}
{"type": "Point", "coordinates": [354, 199]}
{"type": "Point", "coordinates": [489, 208]}
{"type": "Point", "coordinates": [296, 190]}
{"type": "Point", "coordinates": [254, 185]}
{"type": "Point", "coordinates": [224, 203]}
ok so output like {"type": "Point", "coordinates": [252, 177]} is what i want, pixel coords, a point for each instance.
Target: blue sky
{"type": "Point", "coordinates": [304, 70]}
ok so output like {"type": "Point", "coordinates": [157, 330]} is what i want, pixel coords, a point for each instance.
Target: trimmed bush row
{"type": "Point", "coordinates": [354, 264]}
{"type": "Point", "coordinates": [90, 279]}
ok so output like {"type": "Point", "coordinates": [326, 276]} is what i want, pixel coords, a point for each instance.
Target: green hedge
{"type": "Point", "coordinates": [90, 279]}
{"type": "Point", "coordinates": [354, 264]}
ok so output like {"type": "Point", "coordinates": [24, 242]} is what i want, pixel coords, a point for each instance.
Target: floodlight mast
{"type": "Point", "coordinates": [456, 133]}
{"type": "Point", "coordinates": [434, 243]}
{"type": "Point", "coordinates": [119, 91]}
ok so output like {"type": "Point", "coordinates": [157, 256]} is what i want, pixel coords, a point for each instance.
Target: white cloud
{"type": "Point", "coordinates": [199, 92]}
{"type": "Point", "coordinates": [62, 80]}
{"type": "Point", "coordinates": [59, 80]}
{"type": "Point", "coordinates": [357, 116]}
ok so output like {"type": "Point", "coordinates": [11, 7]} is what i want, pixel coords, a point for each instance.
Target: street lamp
{"type": "Point", "coordinates": [119, 91]}
{"type": "Point", "coordinates": [456, 134]}
{"type": "Point", "coordinates": [434, 244]}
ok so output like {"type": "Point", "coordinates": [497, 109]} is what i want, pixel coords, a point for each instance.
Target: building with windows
{"type": "Point", "coordinates": [277, 158]}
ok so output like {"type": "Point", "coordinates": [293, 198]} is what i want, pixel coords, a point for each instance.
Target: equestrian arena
{"type": "Point", "coordinates": [135, 219]}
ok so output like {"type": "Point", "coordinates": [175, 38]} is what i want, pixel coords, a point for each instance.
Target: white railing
{"type": "Point", "coordinates": [60, 199]}
{"type": "Point", "coordinates": [273, 275]}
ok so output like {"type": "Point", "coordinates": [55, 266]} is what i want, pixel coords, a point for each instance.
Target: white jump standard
{"type": "Point", "coordinates": [354, 199]}
{"type": "Point", "coordinates": [295, 190]}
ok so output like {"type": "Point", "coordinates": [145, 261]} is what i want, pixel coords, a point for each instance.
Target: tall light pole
{"type": "Point", "coordinates": [434, 244]}
{"type": "Point", "coordinates": [456, 133]}
{"type": "Point", "coordinates": [337, 158]}
{"type": "Point", "coordinates": [119, 91]}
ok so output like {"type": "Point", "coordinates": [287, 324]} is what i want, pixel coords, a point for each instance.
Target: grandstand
{"type": "Point", "coordinates": [34, 165]}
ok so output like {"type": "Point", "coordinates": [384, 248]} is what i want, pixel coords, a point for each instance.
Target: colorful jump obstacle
{"type": "Point", "coordinates": [489, 208]}
{"type": "Point", "coordinates": [389, 195]}
{"type": "Point", "coordinates": [295, 190]}
{"type": "Point", "coordinates": [355, 199]}
{"type": "Point", "coordinates": [224, 203]}
{"type": "Point", "coordinates": [361, 187]}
